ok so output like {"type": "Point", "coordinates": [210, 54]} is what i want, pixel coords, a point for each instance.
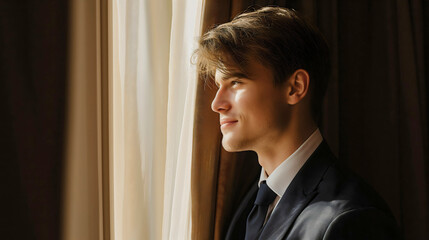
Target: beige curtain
{"type": "Point", "coordinates": [185, 30]}
{"type": "Point", "coordinates": [130, 131]}
{"type": "Point", "coordinates": [153, 107]}
{"type": "Point", "coordinates": [86, 172]}
{"type": "Point", "coordinates": [141, 33]}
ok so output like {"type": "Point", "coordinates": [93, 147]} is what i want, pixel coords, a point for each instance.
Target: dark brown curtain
{"type": "Point", "coordinates": [375, 111]}
{"type": "Point", "coordinates": [32, 90]}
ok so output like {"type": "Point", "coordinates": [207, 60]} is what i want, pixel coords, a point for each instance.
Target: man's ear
{"type": "Point", "coordinates": [298, 85]}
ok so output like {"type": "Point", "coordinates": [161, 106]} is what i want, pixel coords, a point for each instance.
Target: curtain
{"type": "Point", "coordinates": [33, 93]}
{"type": "Point", "coordinates": [186, 27]}
{"type": "Point", "coordinates": [85, 213]}
{"type": "Point", "coordinates": [375, 110]}
{"type": "Point", "coordinates": [141, 33]}
{"type": "Point", "coordinates": [380, 96]}
{"type": "Point", "coordinates": [153, 101]}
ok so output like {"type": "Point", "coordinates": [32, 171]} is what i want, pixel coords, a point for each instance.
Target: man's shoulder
{"type": "Point", "coordinates": [345, 204]}
{"type": "Point", "coordinates": [337, 185]}
{"type": "Point", "coordinates": [339, 219]}
{"type": "Point", "coordinates": [340, 183]}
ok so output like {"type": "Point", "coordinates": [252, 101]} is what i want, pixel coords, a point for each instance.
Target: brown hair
{"type": "Point", "coordinates": [275, 37]}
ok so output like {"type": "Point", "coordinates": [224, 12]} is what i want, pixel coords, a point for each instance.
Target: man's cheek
{"type": "Point", "coordinates": [245, 100]}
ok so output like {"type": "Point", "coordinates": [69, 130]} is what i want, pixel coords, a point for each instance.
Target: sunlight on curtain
{"type": "Point", "coordinates": [185, 29]}
{"type": "Point", "coordinates": [153, 105]}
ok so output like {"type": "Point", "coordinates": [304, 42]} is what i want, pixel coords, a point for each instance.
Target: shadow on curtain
{"type": "Point", "coordinates": [33, 55]}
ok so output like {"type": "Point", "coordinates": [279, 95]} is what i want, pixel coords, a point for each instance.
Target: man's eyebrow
{"type": "Point", "coordinates": [230, 75]}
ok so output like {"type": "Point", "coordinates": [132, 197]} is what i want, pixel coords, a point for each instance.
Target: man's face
{"type": "Point", "coordinates": [253, 111]}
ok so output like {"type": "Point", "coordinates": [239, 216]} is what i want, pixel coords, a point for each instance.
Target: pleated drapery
{"type": "Point", "coordinates": [153, 110]}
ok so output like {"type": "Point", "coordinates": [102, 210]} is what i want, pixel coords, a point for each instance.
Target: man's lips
{"type": "Point", "coordinates": [227, 122]}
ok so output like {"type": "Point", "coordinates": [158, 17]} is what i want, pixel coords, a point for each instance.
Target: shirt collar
{"type": "Point", "coordinates": [283, 175]}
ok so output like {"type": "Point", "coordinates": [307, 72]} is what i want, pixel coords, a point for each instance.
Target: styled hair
{"type": "Point", "coordinates": [275, 37]}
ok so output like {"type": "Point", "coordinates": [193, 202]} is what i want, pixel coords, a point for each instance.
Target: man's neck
{"type": "Point", "coordinates": [273, 154]}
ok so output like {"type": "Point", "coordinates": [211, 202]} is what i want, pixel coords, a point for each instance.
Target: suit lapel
{"type": "Point", "coordinates": [299, 194]}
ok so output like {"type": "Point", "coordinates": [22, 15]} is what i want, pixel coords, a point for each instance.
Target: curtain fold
{"type": "Point", "coordinates": [33, 92]}
{"type": "Point", "coordinates": [141, 31]}
{"type": "Point", "coordinates": [81, 177]}
{"type": "Point", "coordinates": [186, 26]}
{"type": "Point", "coordinates": [383, 127]}
{"type": "Point", "coordinates": [153, 109]}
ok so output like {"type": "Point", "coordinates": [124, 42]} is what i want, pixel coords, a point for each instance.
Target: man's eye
{"type": "Point", "coordinates": [235, 83]}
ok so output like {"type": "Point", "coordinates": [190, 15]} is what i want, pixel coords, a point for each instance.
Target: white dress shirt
{"type": "Point", "coordinates": [283, 175]}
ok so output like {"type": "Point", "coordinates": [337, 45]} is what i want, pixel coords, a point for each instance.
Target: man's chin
{"type": "Point", "coordinates": [231, 146]}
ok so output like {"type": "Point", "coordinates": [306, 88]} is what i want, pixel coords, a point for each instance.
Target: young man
{"type": "Point", "coordinates": [271, 69]}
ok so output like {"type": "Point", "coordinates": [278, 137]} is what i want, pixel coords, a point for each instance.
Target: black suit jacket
{"type": "Point", "coordinates": [323, 201]}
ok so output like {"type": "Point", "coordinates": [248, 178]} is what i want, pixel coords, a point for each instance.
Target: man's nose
{"type": "Point", "coordinates": [221, 103]}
